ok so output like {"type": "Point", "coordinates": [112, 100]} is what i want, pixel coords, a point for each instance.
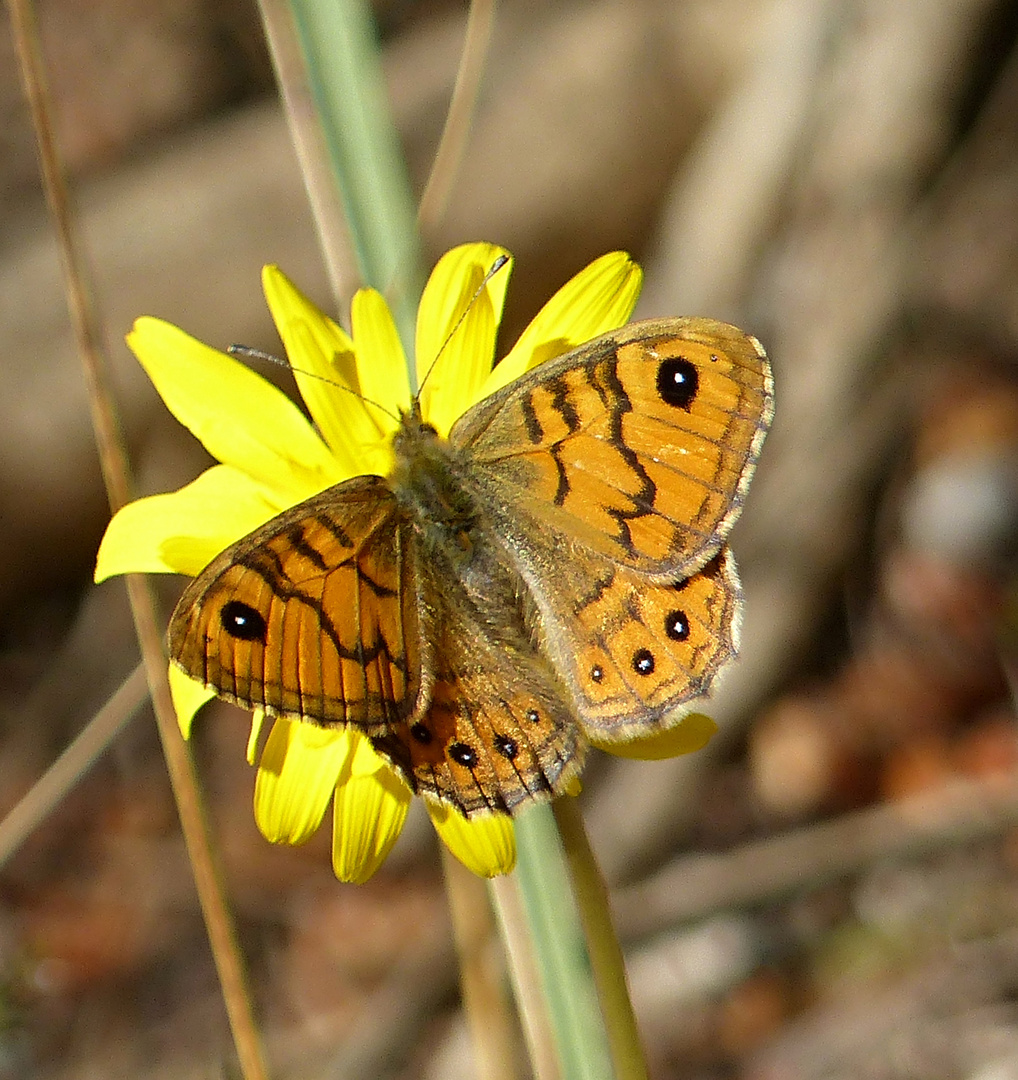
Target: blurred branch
{"type": "Point", "coordinates": [696, 886]}
{"type": "Point", "coordinates": [456, 132]}
{"type": "Point", "coordinates": [53, 786]}
{"type": "Point", "coordinates": [860, 134]}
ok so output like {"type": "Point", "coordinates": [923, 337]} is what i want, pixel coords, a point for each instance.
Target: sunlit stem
{"type": "Point", "coordinates": [563, 960]}
{"type": "Point", "coordinates": [341, 56]}
{"type": "Point", "coordinates": [482, 976]}
{"type": "Point", "coordinates": [606, 957]}
{"type": "Point", "coordinates": [89, 335]}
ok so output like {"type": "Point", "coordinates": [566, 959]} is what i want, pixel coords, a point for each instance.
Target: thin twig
{"type": "Point", "coordinates": [700, 885]}
{"type": "Point", "coordinates": [312, 152]}
{"type": "Point", "coordinates": [57, 781]}
{"type": "Point", "coordinates": [453, 144]}
{"type": "Point", "coordinates": [113, 459]}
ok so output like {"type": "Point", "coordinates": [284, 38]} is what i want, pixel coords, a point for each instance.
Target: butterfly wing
{"type": "Point", "coordinates": [496, 729]}
{"type": "Point", "coordinates": [636, 652]}
{"type": "Point", "coordinates": [312, 616]}
{"type": "Point", "coordinates": [639, 445]}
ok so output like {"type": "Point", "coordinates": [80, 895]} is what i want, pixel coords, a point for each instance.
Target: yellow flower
{"type": "Point", "coordinates": [271, 458]}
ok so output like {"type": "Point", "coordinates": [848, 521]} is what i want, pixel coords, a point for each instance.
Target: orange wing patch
{"type": "Point", "coordinates": [497, 731]}
{"type": "Point", "coordinates": [636, 651]}
{"type": "Point", "coordinates": [313, 616]}
{"type": "Point", "coordinates": [638, 445]}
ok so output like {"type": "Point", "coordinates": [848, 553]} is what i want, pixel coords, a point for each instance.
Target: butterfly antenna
{"type": "Point", "coordinates": [495, 267]}
{"type": "Point", "coordinates": [257, 354]}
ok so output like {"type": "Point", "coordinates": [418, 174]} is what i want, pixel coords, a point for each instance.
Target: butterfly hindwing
{"type": "Point", "coordinates": [638, 445]}
{"type": "Point", "coordinates": [312, 616]}
{"type": "Point", "coordinates": [497, 730]}
{"type": "Point", "coordinates": [639, 653]}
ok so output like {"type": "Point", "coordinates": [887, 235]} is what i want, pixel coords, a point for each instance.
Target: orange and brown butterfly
{"type": "Point", "coordinates": [509, 583]}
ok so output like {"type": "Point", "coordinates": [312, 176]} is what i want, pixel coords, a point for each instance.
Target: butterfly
{"type": "Point", "coordinates": [553, 573]}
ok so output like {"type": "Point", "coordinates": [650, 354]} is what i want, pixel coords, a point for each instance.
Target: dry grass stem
{"type": "Point", "coordinates": [456, 132]}
{"type": "Point", "coordinates": [606, 959]}
{"type": "Point", "coordinates": [482, 976]}
{"type": "Point", "coordinates": [113, 459]}
{"type": "Point", "coordinates": [526, 978]}
{"type": "Point", "coordinates": [52, 787]}
{"type": "Point", "coordinates": [309, 143]}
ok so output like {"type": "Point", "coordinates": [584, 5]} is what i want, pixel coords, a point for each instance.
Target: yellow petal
{"type": "Point", "coordinates": [693, 732]}
{"type": "Point", "coordinates": [257, 723]}
{"type": "Point", "coordinates": [296, 778]}
{"type": "Point", "coordinates": [381, 363]}
{"type": "Point", "coordinates": [370, 808]}
{"type": "Point", "coordinates": [182, 531]}
{"type": "Point", "coordinates": [456, 329]}
{"type": "Point", "coordinates": [599, 298]}
{"type": "Point", "coordinates": [240, 418]}
{"type": "Point", "coordinates": [321, 355]}
{"type": "Point", "coordinates": [188, 697]}
{"type": "Point", "coordinates": [485, 844]}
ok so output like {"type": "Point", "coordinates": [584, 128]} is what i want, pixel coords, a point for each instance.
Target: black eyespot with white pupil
{"type": "Point", "coordinates": [505, 746]}
{"type": "Point", "coordinates": [463, 754]}
{"type": "Point", "coordinates": [643, 662]}
{"type": "Point", "coordinates": [421, 733]}
{"type": "Point", "coordinates": [242, 621]}
{"type": "Point", "coordinates": [678, 382]}
{"type": "Point", "coordinates": [597, 673]}
{"type": "Point", "coordinates": [533, 716]}
{"type": "Point", "coordinates": [677, 625]}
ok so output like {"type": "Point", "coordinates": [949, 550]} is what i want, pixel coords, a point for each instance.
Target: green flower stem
{"type": "Point", "coordinates": [341, 60]}
{"type": "Point", "coordinates": [605, 953]}
{"type": "Point", "coordinates": [344, 72]}
{"type": "Point", "coordinates": [560, 947]}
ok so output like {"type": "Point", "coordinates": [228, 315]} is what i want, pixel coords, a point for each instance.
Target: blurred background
{"type": "Point", "coordinates": [830, 889]}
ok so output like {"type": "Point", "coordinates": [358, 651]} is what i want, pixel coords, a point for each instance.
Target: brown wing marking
{"type": "Point", "coordinates": [635, 652]}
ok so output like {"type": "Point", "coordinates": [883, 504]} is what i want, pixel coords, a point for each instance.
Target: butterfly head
{"type": "Point", "coordinates": [413, 430]}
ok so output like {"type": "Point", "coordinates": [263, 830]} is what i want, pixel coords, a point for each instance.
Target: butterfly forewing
{"type": "Point", "coordinates": [638, 445]}
{"type": "Point", "coordinates": [312, 616]}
